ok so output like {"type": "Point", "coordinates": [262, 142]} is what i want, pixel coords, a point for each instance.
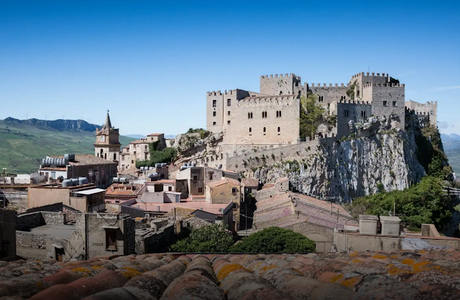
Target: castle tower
{"type": "Point", "coordinates": [107, 143]}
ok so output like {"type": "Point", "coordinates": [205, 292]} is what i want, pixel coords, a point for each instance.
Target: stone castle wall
{"type": "Point", "coordinates": [256, 120]}
{"type": "Point", "coordinates": [287, 84]}
{"type": "Point", "coordinates": [229, 112]}
{"type": "Point", "coordinates": [424, 109]}
{"type": "Point", "coordinates": [327, 94]}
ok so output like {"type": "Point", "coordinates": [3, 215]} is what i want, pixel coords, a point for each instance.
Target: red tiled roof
{"type": "Point", "coordinates": [167, 207]}
{"type": "Point", "coordinates": [225, 180]}
{"type": "Point", "coordinates": [250, 182]}
{"type": "Point", "coordinates": [359, 275]}
{"type": "Point", "coordinates": [164, 181]}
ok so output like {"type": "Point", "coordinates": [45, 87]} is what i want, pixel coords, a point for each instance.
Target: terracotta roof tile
{"type": "Point", "coordinates": [360, 275]}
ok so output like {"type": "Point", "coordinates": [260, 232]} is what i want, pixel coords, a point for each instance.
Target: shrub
{"type": "Point", "coordinates": [275, 240]}
{"type": "Point", "coordinates": [212, 238]}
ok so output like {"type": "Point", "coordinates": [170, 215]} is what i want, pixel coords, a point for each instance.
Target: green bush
{"type": "Point", "coordinates": [424, 202]}
{"type": "Point", "coordinates": [212, 238]}
{"type": "Point", "coordinates": [275, 240]}
{"type": "Point", "coordinates": [162, 156]}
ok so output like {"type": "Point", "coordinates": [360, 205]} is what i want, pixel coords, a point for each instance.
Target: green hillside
{"type": "Point", "coordinates": [23, 146]}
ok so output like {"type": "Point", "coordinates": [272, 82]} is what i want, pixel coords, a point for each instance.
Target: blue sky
{"type": "Point", "coordinates": [151, 62]}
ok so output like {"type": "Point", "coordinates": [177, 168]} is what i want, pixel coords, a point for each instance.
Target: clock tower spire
{"type": "Point", "coordinates": [107, 145]}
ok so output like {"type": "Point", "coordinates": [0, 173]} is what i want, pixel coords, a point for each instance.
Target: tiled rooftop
{"type": "Point", "coordinates": [365, 275]}
{"type": "Point", "coordinates": [282, 210]}
{"type": "Point", "coordinates": [250, 182]}
{"type": "Point", "coordinates": [89, 159]}
{"type": "Point", "coordinates": [167, 207]}
{"type": "Point", "coordinates": [223, 181]}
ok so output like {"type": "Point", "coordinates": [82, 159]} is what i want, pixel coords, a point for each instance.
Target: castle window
{"type": "Point", "coordinates": [228, 113]}
{"type": "Point", "coordinates": [214, 113]}
{"type": "Point", "coordinates": [385, 103]}
{"type": "Point", "coordinates": [394, 103]}
{"type": "Point", "coordinates": [228, 122]}
{"type": "Point", "coordinates": [213, 123]}
{"type": "Point", "coordinates": [264, 114]}
{"type": "Point", "coordinates": [432, 112]}
{"type": "Point", "coordinates": [278, 113]}
{"type": "Point", "coordinates": [320, 98]}
{"type": "Point", "coordinates": [214, 103]}
{"type": "Point", "coordinates": [234, 190]}
{"type": "Point", "coordinates": [250, 115]}
{"type": "Point", "coordinates": [281, 92]}
{"type": "Point", "coordinates": [250, 129]}
{"type": "Point", "coordinates": [345, 113]}
{"type": "Point", "coordinates": [229, 102]}
{"type": "Point", "coordinates": [265, 129]}
{"type": "Point", "coordinates": [114, 156]}
{"type": "Point", "coordinates": [363, 114]}
{"type": "Point", "coordinates": [279, 129]}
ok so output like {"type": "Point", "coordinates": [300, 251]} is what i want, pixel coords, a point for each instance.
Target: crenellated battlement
{"type": "Point", "coordinates": [354, 102]}
{"type": "Point", "coordinates": [214, 93]}
{"type": "Point", "coordinates": [280, 76]}
{"type": "Point", "coordinates": [327, 86]}
{"type": "Point", "coordinates": [370, 84]}
{"type": "Point", "coordinates": [267, 100]}
{"type": "Point", "coordinates": [370, 74]}
{"type": "Point", "coordinates": [230, 92]}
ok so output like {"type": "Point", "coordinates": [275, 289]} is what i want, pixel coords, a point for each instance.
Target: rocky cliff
{"type": "Point", "coordinates": [350, 168]}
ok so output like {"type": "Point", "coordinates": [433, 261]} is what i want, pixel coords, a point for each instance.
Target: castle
{"type": "Point", "coordinates": [271, 116]}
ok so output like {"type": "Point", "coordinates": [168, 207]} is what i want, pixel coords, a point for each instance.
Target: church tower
{"type": "Point", "coordinates": [107, 143]}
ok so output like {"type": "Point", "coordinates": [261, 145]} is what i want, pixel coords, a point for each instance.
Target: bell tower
{"type": "Point", "coordinates": [107, 145]}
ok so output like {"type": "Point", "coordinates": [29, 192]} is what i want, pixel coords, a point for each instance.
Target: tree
{"type": "Point", "coordinates": [212, 238]}
{"type": "Point", "coordinates": [275, 240]}
{"type": "Point", "coordinates": [424, 202]}
{"type": "Point", "coordinates": [311, 115]}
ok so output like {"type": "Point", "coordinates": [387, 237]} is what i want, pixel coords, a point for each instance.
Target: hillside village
{"type": "Point", "coordinates": [253, 167]}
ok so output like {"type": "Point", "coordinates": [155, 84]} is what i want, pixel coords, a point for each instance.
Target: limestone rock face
{"type": "Point", "coordinates": [352, 168]}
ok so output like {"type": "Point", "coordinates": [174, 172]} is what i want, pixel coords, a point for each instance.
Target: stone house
{"type": "Point", "coordinates": [48, 235]}
{"type": "Point", "coordinates": [85, 198]}
{"type": "Point", "coordinates": [7, 235]}
{"type": "Point", "coordinates": [97, 170]}
{"type": "Point", "coordinates": [224, 191]}
{"type": "Point", "coordinates": [139, 150]}
{"type": "Point", "coordinates": [198, 177]}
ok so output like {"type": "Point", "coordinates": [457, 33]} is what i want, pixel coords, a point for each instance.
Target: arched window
{"type": "Point", "coordinates": [250, 129]}
{"type": "Point", "coordinates": [265, 129]}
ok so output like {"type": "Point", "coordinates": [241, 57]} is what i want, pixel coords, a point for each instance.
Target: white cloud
{"type": "Point", "coordinates": [445, 88]}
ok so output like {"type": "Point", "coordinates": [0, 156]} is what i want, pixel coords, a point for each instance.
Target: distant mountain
{"type": "Point", "coordinates": [23, 143]}
{"type": "Point", "coordinates": [136, 136]}
{"type": "Point", "coordinates": [140, 136]}
{"type": "Point", "coordinates": [60, 124]}
{"type": "Point", "coordinates": [451, 143]}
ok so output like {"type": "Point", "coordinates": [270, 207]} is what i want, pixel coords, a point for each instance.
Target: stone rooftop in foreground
{"type": "Point", "coordinates": [363, 275]}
